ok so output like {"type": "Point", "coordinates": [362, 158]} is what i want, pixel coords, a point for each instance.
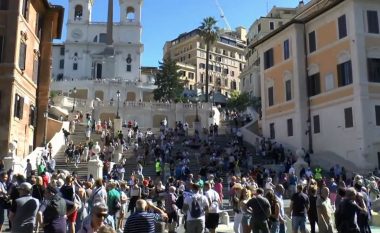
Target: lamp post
{"type": "Point", "coordinates": [196, 109]}
{"type": "Point", "coordinates": [46, 120]}
{"type": "Point", "coordinates": [118, 102]}
{"type": "Point", "coordinates": [73, 92]}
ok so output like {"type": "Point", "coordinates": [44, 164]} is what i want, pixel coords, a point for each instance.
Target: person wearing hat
{"type": "Point", "coordinates": [52, 212]}
{"type": "Point", "coordinates": [23, 217]}
{"type": "Point", "coordinates": [99, 217]}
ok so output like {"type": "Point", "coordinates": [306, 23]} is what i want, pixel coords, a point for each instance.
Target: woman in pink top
{"type": "Point", "coordinates": [218, 187]}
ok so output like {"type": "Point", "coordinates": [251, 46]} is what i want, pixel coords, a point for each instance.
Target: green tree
{"type": "Point", "coordinates": [240, 101]}
{"type": "Point", "coordinates": [209, 33]}
{"type": "Point", "coordinates": [169, 84]}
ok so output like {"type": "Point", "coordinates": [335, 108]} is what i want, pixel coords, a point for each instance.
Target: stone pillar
{"type": "Point", "coordinates": [95, 165]}
{"type": "Point", "coordinates": [117, 125]}
{"type": "Point", "coordinates": [10, 159]}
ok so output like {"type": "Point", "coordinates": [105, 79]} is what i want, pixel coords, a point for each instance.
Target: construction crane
{"type": "Point", "coordinates": [222, 15]}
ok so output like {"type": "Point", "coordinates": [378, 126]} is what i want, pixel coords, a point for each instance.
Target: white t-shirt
{"type": "Point", "coordinates": [203, 203]}
{"type": "Point", "coordinates": [213, 196]}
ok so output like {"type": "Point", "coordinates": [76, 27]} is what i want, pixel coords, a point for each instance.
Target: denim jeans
{"type": "Point", "coordinates": [298, 222]}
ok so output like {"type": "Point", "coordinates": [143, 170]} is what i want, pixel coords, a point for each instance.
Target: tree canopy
{"type": "Point", "coordinates": [240, 101]}
{"type": "Point", "coordinates": [169, 84]}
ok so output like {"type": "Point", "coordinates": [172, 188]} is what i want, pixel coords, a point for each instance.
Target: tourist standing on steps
{"type": "Point", "coordinates": [261, 211]}
{"type": "Point", "coordinates": [298, 208]}
{"type": "Point", "coordinates": [141, 220]}
{"type": "Point", "coordinates": [68, 193]}
{"type": "Point", "coordinates": [212, 217]}
{"type": "Point", "coordinates": [23, 215]}
{"type": "Point", "coordinates": [325, 212]}
{"type": "Point", "coordinates": [3, 196]}
{"type": "Point", "coordinates": [195, 207]}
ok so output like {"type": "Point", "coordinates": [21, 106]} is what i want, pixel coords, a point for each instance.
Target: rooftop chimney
{"type": "Point", "coordinates": [110, 23]}
{"type": "Point", "coordinates": [301, 4]}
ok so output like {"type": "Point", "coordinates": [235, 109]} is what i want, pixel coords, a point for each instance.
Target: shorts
{"type": "Point", "coordinates": [298, 222]}
{"type": "Point", "coordinates": [212, 220]}
{"type": "Point", "coordinates": [72, 217]}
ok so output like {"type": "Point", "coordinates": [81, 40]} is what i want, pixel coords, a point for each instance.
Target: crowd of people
{"type": "Point", "coordinates": [194, 177]}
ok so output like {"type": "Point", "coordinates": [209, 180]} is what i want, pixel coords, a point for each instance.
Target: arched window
{"type": "Point", "coordinates": [130, 13]}
{"type": "Point", "coordinates": [129, 61]}
{"type": "Point", "coordinates": [78, 12]}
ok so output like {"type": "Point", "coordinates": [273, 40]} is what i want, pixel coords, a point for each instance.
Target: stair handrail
{"type": "Point", "coordinates": [57, 141]}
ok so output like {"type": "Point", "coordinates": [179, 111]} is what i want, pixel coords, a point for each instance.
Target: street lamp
{"type": "Point", "coordinates": [196, 109]}
{"type": "Point", "coordinates": [73, 92]}
{"type": "Point", "coordinates": [46, 114]}
{"type": "Point", "coordinates": [118, 102]}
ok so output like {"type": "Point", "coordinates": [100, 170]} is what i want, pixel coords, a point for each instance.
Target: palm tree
{"type": "Point", "coordinates": [209, 33]}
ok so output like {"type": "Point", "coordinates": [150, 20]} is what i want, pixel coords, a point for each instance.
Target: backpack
{"type": "Point", "coordinates": [196, 210]}
{"type": "Point", "coordinates": [55, 208]}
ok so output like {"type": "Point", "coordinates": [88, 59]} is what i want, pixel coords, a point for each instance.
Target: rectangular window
{"type": "Point", "coordinates": [32, 115]}
{"type": "Point", "coordinates": [22, 56]}
{"type": "Point", "coordinates": [272, 131]}
{"type": "Point", "coordinates": [377, 114]}
{"type": "Point", "coordinates": [342, 26]}
{"type": "Point", "coordinates": [210, 67]}
{"type": "Point", "coordinates": [314, 85]}
{"type": "Point", "coordinates": [102, 38]}
{"type": "Point", "coordinates": [271, 25]}
{"type": "Point", "coordinates": [270, 96]}
{"type": "Point", "coordinates": [4, 5]}
{"type": "Point", "coordinates": [232, 73]}
{"type": "Point", "coordinates": [226, 82]}
{"type": "Point", "coordinates": [35, 70]}
{"type": "Point", "coordinates": [348, 118]}
{"type": "Point", "coordinates": [129, 68]}
{"type": "Point", "coordinates": [312, 42]}
{"type": "Point", "coordinates": [373, 22]}
{"type": "Point", "coordinates": [38, 26]}
{"type": "Point", "coordinates": [290, 127]}
{"type": "Point", "coordinates": [25, 9]}
{"type": "Point", "coordinates": [61, 64]}
{"type": "Point", "coordinates": [373, 69]}
{"type": "Point", "coordinates": [286, 50]}
{"type": "Point", "coordinates": [75, 66]}
{"type": "Point", "coordinates": [19, 106]}
{"type": "Point", "coordinates": [268, 59]}
{"type": "Point", "coordinates": [259, 28]}
{"type": "Point", "coordinates": [210, 79]}
{"type": "Point", "coordinates": [62, 51]}
{"type": "Point", "coordinates": [1, 48]}
{"type": "Point", "coordinates": [344, 74]}
{"type": "Point", "coordinates": [316, 124]}
{"type": "Point", "coordinates": [288, 90]}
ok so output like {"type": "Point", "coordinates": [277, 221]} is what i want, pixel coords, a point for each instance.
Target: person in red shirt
{"type": "Point", "coordinates": [45, 179]}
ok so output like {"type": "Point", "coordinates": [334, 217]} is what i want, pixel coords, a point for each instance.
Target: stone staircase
{"type": "Point", "coordinates": [77, 137]}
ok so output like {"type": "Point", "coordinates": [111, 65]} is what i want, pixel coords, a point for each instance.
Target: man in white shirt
{"type": "Point", "coordinates": [195, 207]}
{"type": "Point", "coordinates": [212, 217]}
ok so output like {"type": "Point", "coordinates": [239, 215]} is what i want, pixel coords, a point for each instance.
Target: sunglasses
{"type": "Point", "coordinates": [100, 215]}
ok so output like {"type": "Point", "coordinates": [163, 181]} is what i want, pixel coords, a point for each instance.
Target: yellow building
{"type": "Point", "coordinates": [226, 59]}
{"type": "Point", "coordinates": [27, 29]}
{"type": "Point", "coordinates": [320, 82]}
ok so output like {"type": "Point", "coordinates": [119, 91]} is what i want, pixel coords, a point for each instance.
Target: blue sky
{"type": "Point", "coordinates": [164, 20]}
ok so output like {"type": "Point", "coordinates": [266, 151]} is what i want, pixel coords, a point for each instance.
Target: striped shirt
{"type": "Point", "coordinates": [141, 222]}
